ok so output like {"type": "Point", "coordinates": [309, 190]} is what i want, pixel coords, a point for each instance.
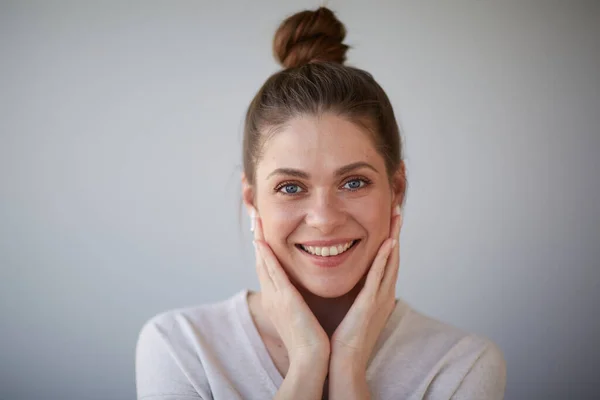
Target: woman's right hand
{"type": "Point", "coordinates": [306, 342]}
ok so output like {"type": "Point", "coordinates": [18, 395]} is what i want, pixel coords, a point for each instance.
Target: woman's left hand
{"type": "Point", "coordinates": [354, 339]}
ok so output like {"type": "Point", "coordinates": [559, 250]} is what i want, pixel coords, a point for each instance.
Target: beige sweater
{"type": "Point", "coordinates": [215, 352]}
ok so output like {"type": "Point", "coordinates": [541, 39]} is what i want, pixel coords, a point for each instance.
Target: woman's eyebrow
{"type": "Point", "coordinates": [289, 172]}
{"type": "Point", "coordinates": [340, 171]}
{"type": "Point", "coordinates": [351, 167]}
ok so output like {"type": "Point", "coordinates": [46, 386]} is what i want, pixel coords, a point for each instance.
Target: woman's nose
{"type": "Point", "coordinates": [325, 212]}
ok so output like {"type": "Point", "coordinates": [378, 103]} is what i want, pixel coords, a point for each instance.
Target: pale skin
{"type": "Point", "coordinates": [322, 179]}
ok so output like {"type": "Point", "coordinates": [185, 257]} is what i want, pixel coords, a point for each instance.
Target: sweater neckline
{"type": "Point", "coordinates": [264, 360]}
{"type": "Point", "coordinates": [255, 341]}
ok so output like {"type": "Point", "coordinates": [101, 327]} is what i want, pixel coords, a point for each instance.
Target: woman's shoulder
{"type": "Point", "coordinates": [444, 358]}
{"type": "Point", "coordinates": [175, 347]}
{"type": "Point", "coordinates": [202, 315]}
{"type": "Point", "coordinates": [419, 329]}
{"type": "Point", "coordinates": [185, 326]}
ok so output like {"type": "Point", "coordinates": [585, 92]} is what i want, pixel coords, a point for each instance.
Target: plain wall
{"type": "Point", "coordinates": [120, 154]}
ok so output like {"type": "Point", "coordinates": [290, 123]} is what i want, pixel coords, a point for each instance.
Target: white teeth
{"type": "Point", "coordinates": [328, 251]}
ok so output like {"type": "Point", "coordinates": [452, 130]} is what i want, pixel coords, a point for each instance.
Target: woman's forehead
{"type": "Point", "coordinates": [321, 144]}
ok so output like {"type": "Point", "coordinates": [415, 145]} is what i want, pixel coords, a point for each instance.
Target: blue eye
{"type": "Point", "coordinates": [290, 189]}
{"type": "Point", "coordinates": [354, 184]}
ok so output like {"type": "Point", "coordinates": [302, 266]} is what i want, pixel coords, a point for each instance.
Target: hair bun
{"type": "Point", "coordinates": [310, 36]}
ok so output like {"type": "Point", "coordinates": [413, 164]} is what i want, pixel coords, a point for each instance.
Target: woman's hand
{"type": "Point", "coordinates": [354, 339]}
{"type": "Point", "coordinates": [306, 342]}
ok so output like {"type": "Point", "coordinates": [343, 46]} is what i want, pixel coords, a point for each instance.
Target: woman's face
{"type": "Point", "coordinates": [325, 202]}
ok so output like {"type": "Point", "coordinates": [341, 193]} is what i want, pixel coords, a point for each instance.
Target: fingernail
{"type": "Point", "coordinates": [394, 243]}
{"type": "Point", "coordinates": [252, 219]}
{"type": "Point", "coordinates": [397, 210]}
{"type": "Point", "coordinates": [255, 247]}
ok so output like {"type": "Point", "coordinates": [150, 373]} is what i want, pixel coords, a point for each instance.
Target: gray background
{"type": "Point", "coordinates": [120, 161]}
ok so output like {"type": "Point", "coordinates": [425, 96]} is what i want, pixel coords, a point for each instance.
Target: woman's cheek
{"type": "Point", "coordinates": [370, 204]}
{"type": "Point", "coordinates": [373, 214]}
{"type": "Point", "coordinates": [280, 222]}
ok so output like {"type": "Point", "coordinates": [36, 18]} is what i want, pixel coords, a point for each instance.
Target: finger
{"type": "Point", "coordinates": [276, 272]}
{"type": "Point", "coordinates": [261, 268]}
{"type": "Point", "coordinates": [258, 231]}
{"type": "Point", "coordinates": [277, 275]}
{"type": "Point", "coordinates": [270, 264]}
{"type": "Point", "coordinates": [266, 283]}
{"type": "Point", "coordinates": [393, 263]}
{"type": "Point", "coordinates": [397, 211]}
{"type": "Point", "coordinates": [378, 267]}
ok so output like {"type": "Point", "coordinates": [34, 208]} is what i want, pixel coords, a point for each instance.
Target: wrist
{"type": "Point", "coordinates": [311, 371]}
{"type": "Point", "coordinates": [313, 357]}
{"type": "Point", "coordinates": [347, 370]}
{"type": "Point", "coordinates": [314, 366]}
{"type": "Point", "coordinates": [347, 379]}
{"type": "Point", "coordinates": [347, 361]}
{"type": "Point", "coordinates": [304, 380]}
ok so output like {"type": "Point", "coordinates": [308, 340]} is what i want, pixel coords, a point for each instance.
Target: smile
{"type": "Point", "coordinates": [328, 251]}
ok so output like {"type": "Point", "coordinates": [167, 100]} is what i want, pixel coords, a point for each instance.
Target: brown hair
{"type": "Point", "coordinates": [314, 81]}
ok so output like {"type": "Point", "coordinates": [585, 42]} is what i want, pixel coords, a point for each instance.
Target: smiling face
{"type": "Point", "coordinates": [324, 198]}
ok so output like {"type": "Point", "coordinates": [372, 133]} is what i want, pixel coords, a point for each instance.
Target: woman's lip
{"type": "Point", "coordinates": [330, 261]}
{"type": "Point", "coordinates": [325, 243]}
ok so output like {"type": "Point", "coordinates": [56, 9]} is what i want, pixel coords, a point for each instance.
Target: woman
{"type": "Point", "coordinates": [324, 182]}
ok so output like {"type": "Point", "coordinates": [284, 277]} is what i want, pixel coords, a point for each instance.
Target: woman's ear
{"type": "Point", "coordinates": [248, 195]}
{"type": "Point", "coordinates": [399, 185]}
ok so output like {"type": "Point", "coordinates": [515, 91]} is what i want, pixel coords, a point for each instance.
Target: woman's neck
{"type": "Point", "coordinates": [330, 311]}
